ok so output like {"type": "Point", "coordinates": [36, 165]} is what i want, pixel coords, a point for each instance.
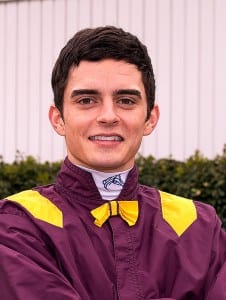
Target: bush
{"type": "Point", "coordinates": [197, 178]}
{"type": "Point", "coordinates": [25, 173]}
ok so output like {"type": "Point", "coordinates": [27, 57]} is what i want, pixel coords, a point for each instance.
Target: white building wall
{"type": "Point", "coordinates": [187, 43]}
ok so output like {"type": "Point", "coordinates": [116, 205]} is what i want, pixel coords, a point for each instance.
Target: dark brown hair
{"type": "Point", "coordinates": [95, 44]}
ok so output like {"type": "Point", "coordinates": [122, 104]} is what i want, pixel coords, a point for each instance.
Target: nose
{"type": "Point", "coordinates": [108, 113]}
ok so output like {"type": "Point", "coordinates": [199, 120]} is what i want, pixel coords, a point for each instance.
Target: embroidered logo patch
{"type": "Point", "coordinates": [116, 179]}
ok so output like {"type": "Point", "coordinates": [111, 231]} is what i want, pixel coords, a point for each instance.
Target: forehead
{"type": "Point", "coordinates": [108, 71]}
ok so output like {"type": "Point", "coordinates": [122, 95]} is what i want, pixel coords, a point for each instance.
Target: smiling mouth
{"type": "Point", "coordinates": [106, 138]}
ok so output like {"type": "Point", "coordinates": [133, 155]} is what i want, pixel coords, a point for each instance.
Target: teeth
{"type": "Point", "coordinates": [105, 138]}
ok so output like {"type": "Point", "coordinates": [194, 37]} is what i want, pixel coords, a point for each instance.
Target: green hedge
{"type": "Point", "coordinates": [25, 173]}
{"type": "Point", "coordinates": [197, 178]}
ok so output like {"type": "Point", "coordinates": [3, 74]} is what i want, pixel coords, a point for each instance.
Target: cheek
{"type": "Point", "coordinates": [75, 129]}
{"type": "Point", "coordinates": [137, 126]}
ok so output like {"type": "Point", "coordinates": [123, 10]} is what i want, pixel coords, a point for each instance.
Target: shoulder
{"type": "Point", "coordinates": [181, 213]}
{"type": "Point", "coordinates": [184, 208]}
{"type": "Point", "coordinates": [33, 203]}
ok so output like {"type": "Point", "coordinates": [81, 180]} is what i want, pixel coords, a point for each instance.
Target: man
{"type": "Point", "coordinates": [96, 233]}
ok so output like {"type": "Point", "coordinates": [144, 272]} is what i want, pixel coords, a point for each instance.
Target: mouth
{"type": "Point", "coordinates": [111, 138]}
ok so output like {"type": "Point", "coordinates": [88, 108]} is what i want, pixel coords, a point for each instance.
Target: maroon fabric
{"type": "Point", "coordinates": [84, 262]}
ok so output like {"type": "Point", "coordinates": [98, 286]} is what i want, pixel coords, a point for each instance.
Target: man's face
{"type": "Point", "coordinates": [104, 115]}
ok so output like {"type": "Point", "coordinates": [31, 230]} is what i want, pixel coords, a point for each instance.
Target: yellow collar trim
{"type": "Point", "coordinates": [39, 206]}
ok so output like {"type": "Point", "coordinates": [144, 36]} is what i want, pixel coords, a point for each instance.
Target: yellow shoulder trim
{"type": "Point", "coordinates": [39, 206]}
{"type": "Point", "coordinates": [178, 212]}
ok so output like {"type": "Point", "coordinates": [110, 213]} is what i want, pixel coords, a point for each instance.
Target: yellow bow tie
{"type": "Point", "coordinates": [128, 210]}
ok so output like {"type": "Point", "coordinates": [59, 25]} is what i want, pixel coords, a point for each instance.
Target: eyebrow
{"type": "Point", "coordinates": [119, 92]}
{"type": "Point", "coordinates": [132, 92]}
{"type": "Point", "coordinates": [84, 92]}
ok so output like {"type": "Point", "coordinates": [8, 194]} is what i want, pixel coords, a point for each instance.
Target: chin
{"type": "Point", "coordinates": [107, 167]}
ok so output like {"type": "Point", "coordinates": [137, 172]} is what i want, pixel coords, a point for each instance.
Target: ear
{"type": "Point", "coordinates": [152, 121]}
{"type": "Point", "coordinates": [56, 120]}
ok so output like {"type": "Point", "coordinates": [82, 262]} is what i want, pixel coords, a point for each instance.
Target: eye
{"type": "Point", "coordinates": [126, 101]}
{"type": "Point", "coordinates": [85, 100]}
